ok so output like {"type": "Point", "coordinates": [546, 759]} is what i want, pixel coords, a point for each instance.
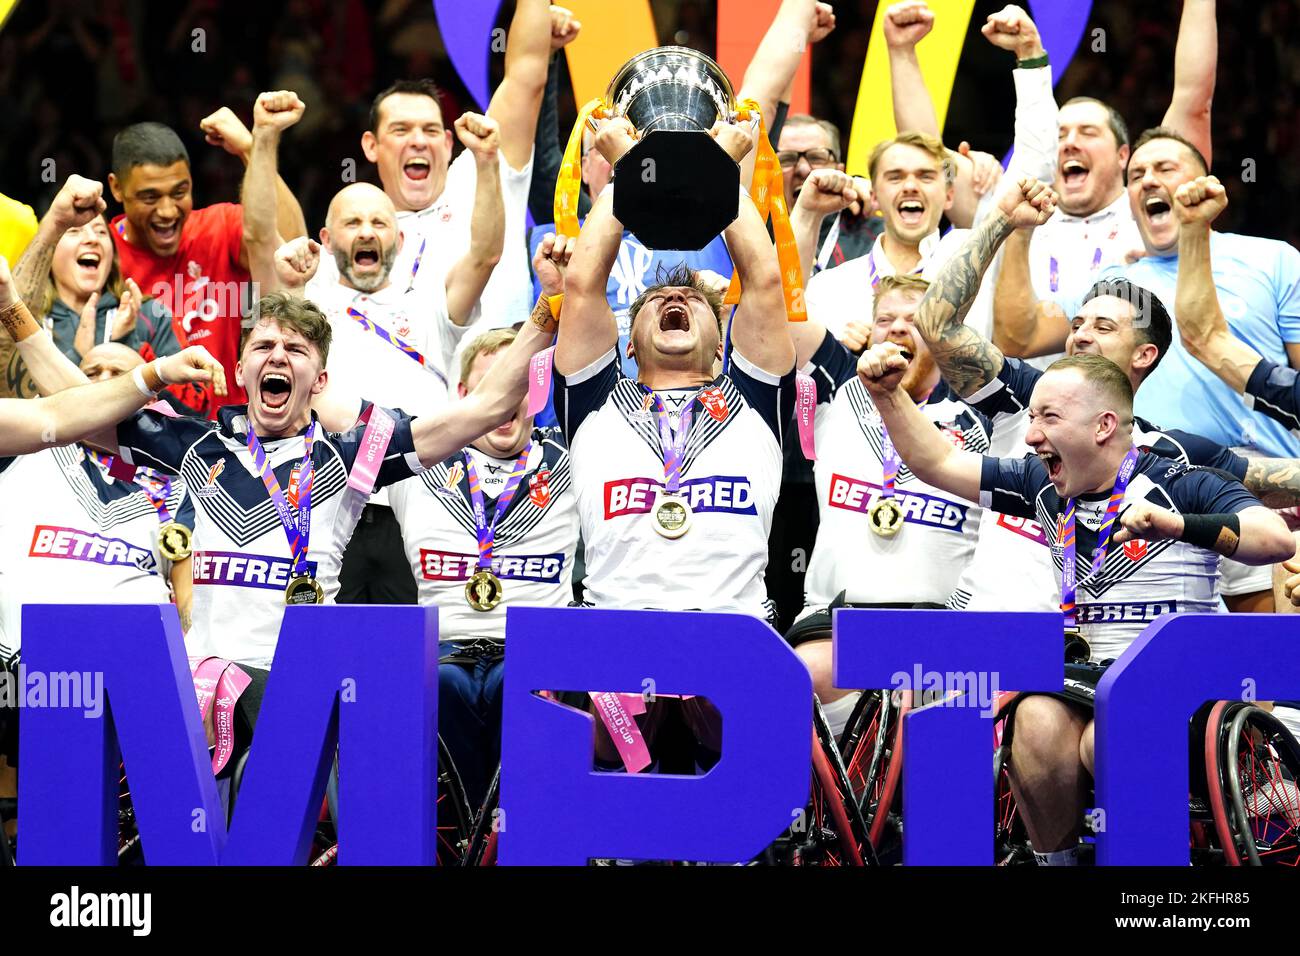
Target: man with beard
{"type": "Point", "coordinates": [394, 337]}
{"type": "Point", "coordinates": [1045, 271]}
{"type": "Point", "coordinates": [1151, 530]}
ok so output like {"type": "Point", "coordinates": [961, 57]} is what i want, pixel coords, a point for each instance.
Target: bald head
{"type": "Point", "coordinates": [109, 361]}
{"type": "Point", "coordinates": [361, 233]}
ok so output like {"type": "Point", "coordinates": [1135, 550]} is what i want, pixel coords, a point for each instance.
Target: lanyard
{"type": "Point", "coordinates": [487, 531]}
{"type": "Point", "coordinates": [410, 351]}
{"type": "Point", "coordinates": [674, 443]}
{"type": "Point", "coordinates": [1069, 583]}
{"type": "Point", "coordinates": [297, 529]}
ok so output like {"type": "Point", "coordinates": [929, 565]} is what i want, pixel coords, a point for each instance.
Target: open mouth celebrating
{"type": "Point", "coordinates": [417, 168]}
{"type": "Point", "coordinates": [674, 317]}
{"type": "Point", "coordinates": [1073, 173]}
{"type": "Point", "coordinates": [276, 390]}
{"type": "Point", "coordinates": [1052, 463]}
{"type": "Point", "coordinates": [366, 256]}
{"type": "Point", "coordinates": [166, 234]}
{"type": "Point", "coordinates": [1157, 210]}
{"type": "Point", "coordinates": [88, 264]}
{"type": "Point", "coordinates": [911, 212]}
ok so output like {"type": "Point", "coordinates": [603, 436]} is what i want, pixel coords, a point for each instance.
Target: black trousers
{"type": "Point", "coordinates": [375, 569]}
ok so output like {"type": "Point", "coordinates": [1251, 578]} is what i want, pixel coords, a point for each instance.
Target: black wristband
{"type": "Point", "coordinates": [1207, 531]}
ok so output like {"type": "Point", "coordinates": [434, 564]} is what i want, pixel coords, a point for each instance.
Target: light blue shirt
{"type": "Point", "coordinates": [1259, 291]}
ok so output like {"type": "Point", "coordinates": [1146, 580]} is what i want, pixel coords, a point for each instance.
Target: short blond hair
{"type": "Point", "coordinates": [922, 141]}
{"type": "Point", "coordinates": [897, 283]}
{"type": "Point", "coordinates": [1109, 380]}
{"type": "Point", "coordinates": [489, 343]}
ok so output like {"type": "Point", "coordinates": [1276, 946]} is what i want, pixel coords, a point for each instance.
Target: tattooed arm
{"type": "Point", "coordinates": [77, 203]}
{"type": "Point", "coordinates": [1274, 481]}
{"type": "Point", "coordinates": [967, 360]}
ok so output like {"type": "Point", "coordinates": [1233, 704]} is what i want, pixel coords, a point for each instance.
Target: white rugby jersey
{"type": "Point", "coordinates": [1008, 540]}
{"type": "Point", "coordinates": [1140, 580]}
{"type": "Point", "coordinates": [922, 561]}
{"type": "Point", "coordinates": [442, 230]}
{"type": "Point", "coordinates": [242, 558]}
{"type": "Point", "coordinates": [835, 297]}
{"type": "Point", "coordinates": [731, 476]}
{"type": "Point", "coordinates": [75, 534]}
{"type": "Point", "coordinates": [533, 545]}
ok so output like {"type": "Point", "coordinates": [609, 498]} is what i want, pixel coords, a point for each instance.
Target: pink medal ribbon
{"type": "Point", "coordinates": [539, 379]}
{"type": "Point", "coordinates": [374, 443]}
{"type": "Point", "coordinates": [219, 683]}
{"type": "Point", "coordinates": [805, 410]}
{"type": "Point", "coordinates": [617, 714]}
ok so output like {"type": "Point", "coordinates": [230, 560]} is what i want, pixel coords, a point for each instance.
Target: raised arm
{"type": "Point", "coordinates": [905, 25]}
{"type": "Point", "coordinates": [517, 101]}
{"type": "Point", "coordinates": [273, 113]}
{"type": "Point", "coordinates": [1023, 326]}
{"type": "Point", "coordinates": [589, 329]}
{"type": "Point", "coordinates": [1201, 324]}
{"type": "Point", "coordinates": [825, 193]}
{"type": "Point", "coordinates": [759, 331]}
{"type": "Point", "coordinates": [77, 203]}
{"type": "Point", "coordinates": [771, 70]}
{"type": "Point", "coordinates": [966, 359]}
{"type": "Point", "coordinates": [1196, 60]}
{"type": "Point", "coordinates": [1254, 535]}
{"type": "Point", "coordinates": [223, 128]}
{"type": "Point", "coordinates": [469, 275]}
{"type": "Point", "coordinates": [924, 449]}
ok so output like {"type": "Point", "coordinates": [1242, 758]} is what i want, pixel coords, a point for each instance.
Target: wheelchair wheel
{"type": "Point", "coordinates": [1256, 801]}
{"type": "Point", "coordinates": [835, 822]}
{"type": "Point", "coordinates": [482, 849]}
{"type": "Point", "coordinates": [871, 745]}
{"type": "Point", "coordinates": [1010, 840]}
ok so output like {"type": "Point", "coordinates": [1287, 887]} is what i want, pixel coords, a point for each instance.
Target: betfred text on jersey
{"type": "Point", "coordinates": [243, 570]}
{"type": "Point", "coordinates": [854, 495]}
{"type": "Point", "coordinates": [450, 566]}
{"type": "Point", "coordinates": [70, 544]}
{"type": "Point", "coordinates": [634, 496]}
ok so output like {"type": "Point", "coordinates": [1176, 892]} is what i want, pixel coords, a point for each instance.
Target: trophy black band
{"type": "Point", "coordinates": [677, 188]}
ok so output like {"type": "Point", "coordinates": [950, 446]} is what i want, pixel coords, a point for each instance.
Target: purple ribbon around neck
{"type": "Point", "coordinates": [487, 531]}
{"type": "Point", "coordinates": [297, 528]}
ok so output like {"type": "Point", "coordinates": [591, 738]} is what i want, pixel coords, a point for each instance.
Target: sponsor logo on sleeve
{"type": "Point", "coordinates": [724, 494]}
{"type": "Point", "coordinates": [242, 570]}
{"type": "Point", "coordinates": [918, 508]}
{"type": "Point", "coordinates": [451, 566]}
{"type": "Point", "coordinates": [50, 541]}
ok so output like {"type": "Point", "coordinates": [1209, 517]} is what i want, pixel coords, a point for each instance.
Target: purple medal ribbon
{"type": "Point", "coordinates": [415, 268]}
{"type": "Point", "coordinates": [674, 443]}
{"type": "Point", "coordinates": [487, 532]}
{"type": "Point", "coordinates": [297, 529]}
{"type": "Point", "coordinates": [1069, 581]}
{"type": "Point", "coordinates": [410, 351]}
{"type": "Point", "coordinates": [156, 487]}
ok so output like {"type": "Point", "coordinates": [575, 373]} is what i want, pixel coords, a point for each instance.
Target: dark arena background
{"type": "Point", "coordinates": [808, 395]}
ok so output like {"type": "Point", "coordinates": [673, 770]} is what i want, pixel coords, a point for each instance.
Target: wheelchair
{"type": "Point", "coordinates": [1243, 791]}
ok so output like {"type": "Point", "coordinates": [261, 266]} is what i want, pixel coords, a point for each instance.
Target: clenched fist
{"type": "Point", "coordinates": [823, 22]}
{"type": "Point", "coordinates": [827, 191]}
{"type": "Point", "coordinates": [480, 134]}
{"type": "Point", "coordinates": [1012, 29]}
{"type": "Point", "coordinates": [296, 262]}
{"type": "Point", "coordinates": [79, 201]}
{"type": "Point", "coordinates": [1200, 200]}
{"type": "Point", "coordinates": [1028, 203]}
{"type": "Point", "coordinates": [550, 260]}
{"type": "Point", "coordinates": [736, 138]}
{"type": "Point", "coordinates": [906, 24]}
{"type": "Point", "coordinates": [881, 368]}
{"type": "Point", "coordinates": [986, 171]}
{"type": "Point", "coordinates": [223, 128]}
{"type": "Point", "coordinates": [614, 137]}
{"type": "Point", "coordinates": [192, 365]}
{"type": "Point", "coordinates": [278, 110]}
{"type": "Point", "coordinates": [1148, 522]}
{"type": "Point", "coordinates": [564, 28]}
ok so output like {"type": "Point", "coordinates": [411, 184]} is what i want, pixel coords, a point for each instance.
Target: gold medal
{"type": "Point", "coordinates": [1077, 650]}
{"type": "Point", "coordinates": [174, 541]}
{"type": "Point", "coordinates": [885, 517]}
{"type": "Point", "coordinates": [672, 515]}
{"type": "Point", "coordinates": [304, 589]}
{"type": "Point", "coordinates": [483, 590]}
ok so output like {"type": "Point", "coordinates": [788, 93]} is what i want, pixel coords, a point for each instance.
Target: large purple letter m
{"type": "Point", "coordinates": [359, 681]}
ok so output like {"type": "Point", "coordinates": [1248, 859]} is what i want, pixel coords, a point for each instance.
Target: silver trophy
{"type": "Point", "coordinates": [676, 188]}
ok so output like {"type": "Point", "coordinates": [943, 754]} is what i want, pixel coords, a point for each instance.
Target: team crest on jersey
{"type": "Point", "coordinates": [1135, 550]}
{"type": "Point", "coordinates": [402, 326]}
{"type": "Point", "coordinates": [954, 434]}
{"type": "Point", "coordinates": [210, 485]}
{"type": "Point", "coordinates": [539, 489]}
{"type": "Point", "coordinates": [715, 403]}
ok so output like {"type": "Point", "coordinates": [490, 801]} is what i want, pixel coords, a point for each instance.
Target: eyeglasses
{"type": "Point", "coordinates": [816, 158]}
